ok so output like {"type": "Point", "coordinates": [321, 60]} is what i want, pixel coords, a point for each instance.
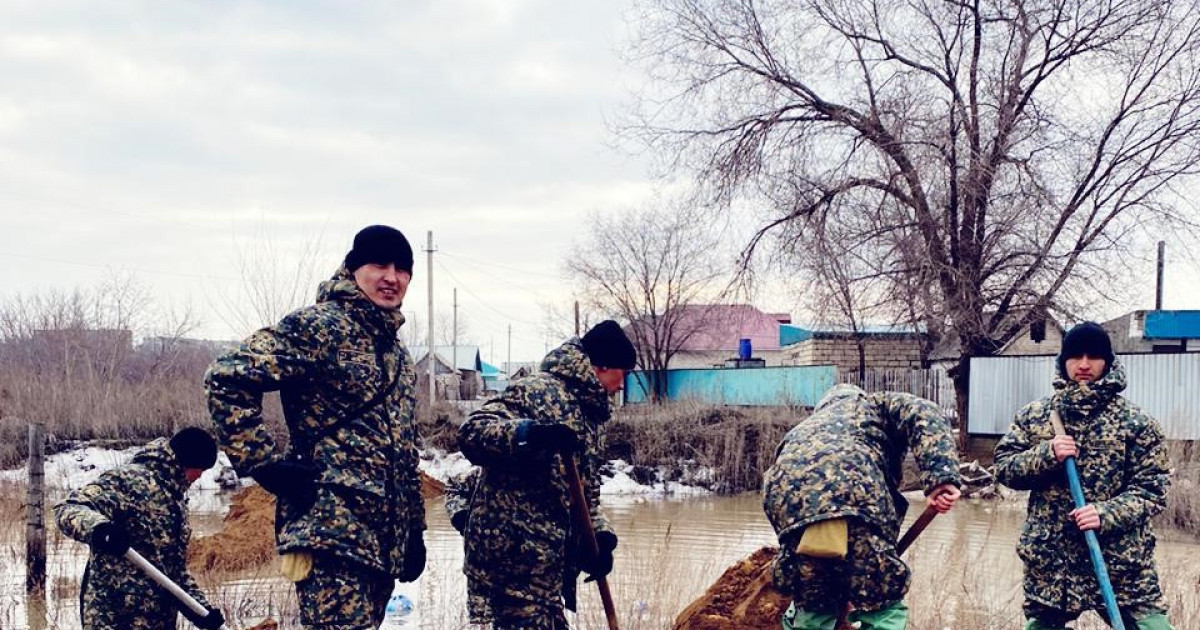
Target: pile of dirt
{"type": "Point", "coordinates": [247, 540]}
{"type": "Point", "coordinates": [742, 599]}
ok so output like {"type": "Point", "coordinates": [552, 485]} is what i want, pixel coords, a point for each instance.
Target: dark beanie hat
{"type": "Point", "coordinates": [1087, 338]}
{"type": "Point", "coordinates": [194, 448]}
{"type": "Point", "coordinates": [607, 346]}
{"type": "Point", "coordinates": [381, 245]}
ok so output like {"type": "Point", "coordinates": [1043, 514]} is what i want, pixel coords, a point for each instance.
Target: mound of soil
{"type": "Point", "coordinates": [247, 540]}
{"type": "Point", "coordinates": [742, 599]}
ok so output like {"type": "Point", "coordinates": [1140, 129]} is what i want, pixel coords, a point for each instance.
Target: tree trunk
{"type": "Point", "coordinates": [961, 375]}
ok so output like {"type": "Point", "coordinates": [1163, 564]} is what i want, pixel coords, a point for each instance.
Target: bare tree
{"type": "Point", "coordinates": [1009, 149]}
{"type": "Point", "coordinates": [644, 266]}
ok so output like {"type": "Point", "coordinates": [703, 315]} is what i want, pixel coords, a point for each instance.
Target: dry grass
{"type": "Point", "coordinates": [737, 444]}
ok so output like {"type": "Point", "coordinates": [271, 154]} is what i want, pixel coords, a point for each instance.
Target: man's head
{"type": "Point", "coordinates": [1086, 353]}
{"type": "Point", "coordinates": [610, 353]}
{"type": "Point", "coordinates": [381, 261]}
{"type": "Point", "coordinates": [195, 450]}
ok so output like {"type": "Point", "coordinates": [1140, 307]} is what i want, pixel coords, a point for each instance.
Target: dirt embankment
{"type": "Point", "coordinates": [743, 598]}
{"type": "Point", "coordinates": [247, 539]}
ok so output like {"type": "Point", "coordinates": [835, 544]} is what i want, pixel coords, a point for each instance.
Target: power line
{"type": "Point", "coordinates": [481, 301]}
{"type": "Point", "coordinates": [489, 263]}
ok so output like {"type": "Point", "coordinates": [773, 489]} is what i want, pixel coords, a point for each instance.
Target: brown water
{"type": "Point", "coordinates": [965, 571]}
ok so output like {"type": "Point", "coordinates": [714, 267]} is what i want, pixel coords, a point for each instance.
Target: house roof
{"type": "Point", "coordinates": [720, 327]}
{"type": "Point", "coordinates": [468, 356]}
{"type": "Point", "coordinates": [790, 334]}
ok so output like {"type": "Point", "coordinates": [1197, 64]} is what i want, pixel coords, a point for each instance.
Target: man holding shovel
{"type": "Point", "coordinates": [141, 505]}
{"type": "Point", "coordinates": [833, 498]}
{"type": "Point", "coordinates": [524, 550]}
{"type": "Point", "coordinates": [1122, 464]}
{"type": "Point", "coordinates": [349, 520]}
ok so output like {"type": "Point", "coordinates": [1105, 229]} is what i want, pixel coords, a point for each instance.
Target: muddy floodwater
{"type": "Point", "coordinates": [965, 571]}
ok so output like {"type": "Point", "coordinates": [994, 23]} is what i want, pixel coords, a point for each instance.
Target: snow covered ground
{"type": "Point", "coordinates": [72, 469]}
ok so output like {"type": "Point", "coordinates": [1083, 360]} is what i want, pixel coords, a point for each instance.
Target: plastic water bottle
{"type": "Point", "coordinates": [399, 605]}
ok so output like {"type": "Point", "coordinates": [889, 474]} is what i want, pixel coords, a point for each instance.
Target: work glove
{"type": "Point", "coordinates": [211, 621]}
{"type": "Point", "coordinates": [553, 438]}
{"type": "Point", "coordinates": [292, 481]}
{"type": "Point", "coordinates": [414, 556]}
{"type": "Point", "coordinates": [109, 538]}
{"type": "Point", "coordinates": [601, 564]}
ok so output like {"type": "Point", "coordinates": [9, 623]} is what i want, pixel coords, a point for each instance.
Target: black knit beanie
{"type": "Point", "coordinates": [194, 448]}
{"type": "Point", "coordinates": [381, 245]}
{"type": "Point", "coordinates": [607, 346]}
{"type": "Point", "coordinates": [1087, 338]}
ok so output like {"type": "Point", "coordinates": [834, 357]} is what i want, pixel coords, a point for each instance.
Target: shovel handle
{"type": "Point", "coordinates": [1093, 543]}
{"type": "Point", "coordinates": [167, 583]}
{"type": "Point", "coordinates": [583, 518]}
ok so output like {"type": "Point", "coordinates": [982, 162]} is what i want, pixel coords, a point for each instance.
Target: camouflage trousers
{"type": "Point", "coordinates": [342, 595]}
{"type": "Point", "coordinates": [871, 577]}
{"type": "Point", "coordinates": [1141, 617]}
{"type": "Point", "coordinates": [515, 614]}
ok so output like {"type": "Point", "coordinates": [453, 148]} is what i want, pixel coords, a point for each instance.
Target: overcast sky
{"type": "Point", "coordinates": [163, 138]}
{"type": "Point", "coordinates": [177, 141]}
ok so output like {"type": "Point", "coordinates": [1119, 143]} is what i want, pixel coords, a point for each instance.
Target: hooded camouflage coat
{"type": "Point", "coordinates": [329, 361]}
{"type": "Point", "coordinates": [146, 498]}
{"type": "Point", "coordinates": [1123, 469]}
{"type": "Point", "coordinates": [518, 534]}
{"type": "Point", "coordinates": [844, 460]}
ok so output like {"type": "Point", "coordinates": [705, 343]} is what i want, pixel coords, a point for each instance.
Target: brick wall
{"type": "Point", "coordinates": [880, 353]}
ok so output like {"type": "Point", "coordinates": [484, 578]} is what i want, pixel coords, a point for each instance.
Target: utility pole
{"type": "Point", "coordinates": [1158, 292]}
{"type": "Point", "coordinates": [430, 357]}
{"type": "Point", "coordinates": [35, 515]}
{"type": "Point", "coordinates": [454, 334]}
{"type": "Point", "coordinates": [576, 318]}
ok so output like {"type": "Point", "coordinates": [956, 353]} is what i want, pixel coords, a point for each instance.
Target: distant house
{"type": "Point", "coordinates": [458, 370]}
{"type": "Point", "coordinates": [494, 380]}
{"type": "Point", "coordinates": [1148, 331]}
{"type": "Point", "coordinates": [883, 346]}
{"type": "Point", "coordinates": [712, 334]}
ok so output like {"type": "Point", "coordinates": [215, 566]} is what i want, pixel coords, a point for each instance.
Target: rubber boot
{"type": "Point", "coordinates": [892, 617]}
{"type": "Point", "coordinates": [1157, 621]}
{"type": "Point", "coordinates": [800, 619]}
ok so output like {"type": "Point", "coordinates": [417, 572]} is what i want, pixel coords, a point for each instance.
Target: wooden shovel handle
{"type": "Point", "coordinates": [583, 521]}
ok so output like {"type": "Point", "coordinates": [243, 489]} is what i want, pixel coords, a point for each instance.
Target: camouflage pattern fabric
{"type": "Point", "coordinates": [844, 461]}
{"type": "Point", "coordinates": [1123, 468]}
{"type": "Point", "coordinates": [522, 615]}
{"type": "Point", "coordinates": [519, 537]}
{"type": "Point", "coordinates": [871, 577]}
{"type": "Point", "coordinates": [328, 361]}
{"type": "Point", "coordinates": [147, 498]}
{"type": "Point", "coordinates": [339, 595]}
{"type": "Point", "coordinates": [459, 489]}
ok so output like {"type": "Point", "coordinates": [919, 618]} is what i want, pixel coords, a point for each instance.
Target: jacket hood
{"type": "Point", "coordinates": [1113, 382]}
{"type": "Point", "coordinates": [838, 394]}
{"type": "Point", "coordinates": [569, 363]}
{"type": "Point", "coordinates": [342, 288]}
{"type": "Point", "coordinates": [159, 458]}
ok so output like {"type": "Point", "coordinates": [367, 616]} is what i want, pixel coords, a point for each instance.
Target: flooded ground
{"type": "Point", "coordinates": [965, 572]}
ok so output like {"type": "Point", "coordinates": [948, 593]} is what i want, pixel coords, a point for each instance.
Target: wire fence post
{"type": "Point", "coordinates": [35, 527]}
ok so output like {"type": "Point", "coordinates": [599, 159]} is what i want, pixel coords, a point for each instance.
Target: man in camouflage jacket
{"type": "Point", "coordinates": [349, 517]}
{"type": "Point", "coordinates": [523, 553]}
{"type": "Point", "coordinates": [141, 505]}
{"type": "Point", "coordinates": [1122, 465]}
{"type": "Point", "coordinates": [843, 464]}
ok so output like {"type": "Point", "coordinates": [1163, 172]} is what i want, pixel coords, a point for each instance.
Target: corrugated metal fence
{"type": "Point", "coordinates": [932, 384]}
{"type": "Point", "coordinates": [1166, 386]}
{"type": "Point", "coordinates": [800, 386]}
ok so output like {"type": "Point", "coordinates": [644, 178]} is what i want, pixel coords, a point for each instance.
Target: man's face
{"type": "Point", "coordinates": [1085, 368]}
{"type": "Point", "coordinates": [384, 285]}
{"type": "Point", "coordinates": [613, 379]}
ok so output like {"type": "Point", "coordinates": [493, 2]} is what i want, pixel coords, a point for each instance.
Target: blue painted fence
{"type": "Point", "coordinates": [787, 385]}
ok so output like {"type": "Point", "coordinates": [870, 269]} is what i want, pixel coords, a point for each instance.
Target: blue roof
{"type": "Point", "coordinates": [1172, 325]}
{"type": "Point", "coordinates": [791, 333]}
{"type": "Point", "coordinates": [487, 369]}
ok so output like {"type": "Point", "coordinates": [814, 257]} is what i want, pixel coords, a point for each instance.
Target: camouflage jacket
{"type": "Point", "coordinates": [147, 498]}
{"type": "Point", "coordinates": [459, 490]}
{"type": "Point", "coordinates": [844, 460]}
{"type": "Point", "coordinates": [1122, 467]}
{"type": "Point", "coordinates": [329, 361]}
{"type": "Point", "coordinates": [518, 535]}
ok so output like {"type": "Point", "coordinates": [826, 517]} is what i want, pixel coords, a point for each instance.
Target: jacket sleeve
{"type": "Point", "coordinates": [235, 384]}
{"type": "Point", "coordinates": [1025, 459]}
{"type": "Point", "coordinates": [459, 489]}
{"type": "Point", "coordinates": [1145, 491]}
{"type": "Point", "coordinates": [494, 434]}
{"type": "Point", "coordinates": [927, 435]}
{"type": "Point", "coordinates": [101, 501]}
